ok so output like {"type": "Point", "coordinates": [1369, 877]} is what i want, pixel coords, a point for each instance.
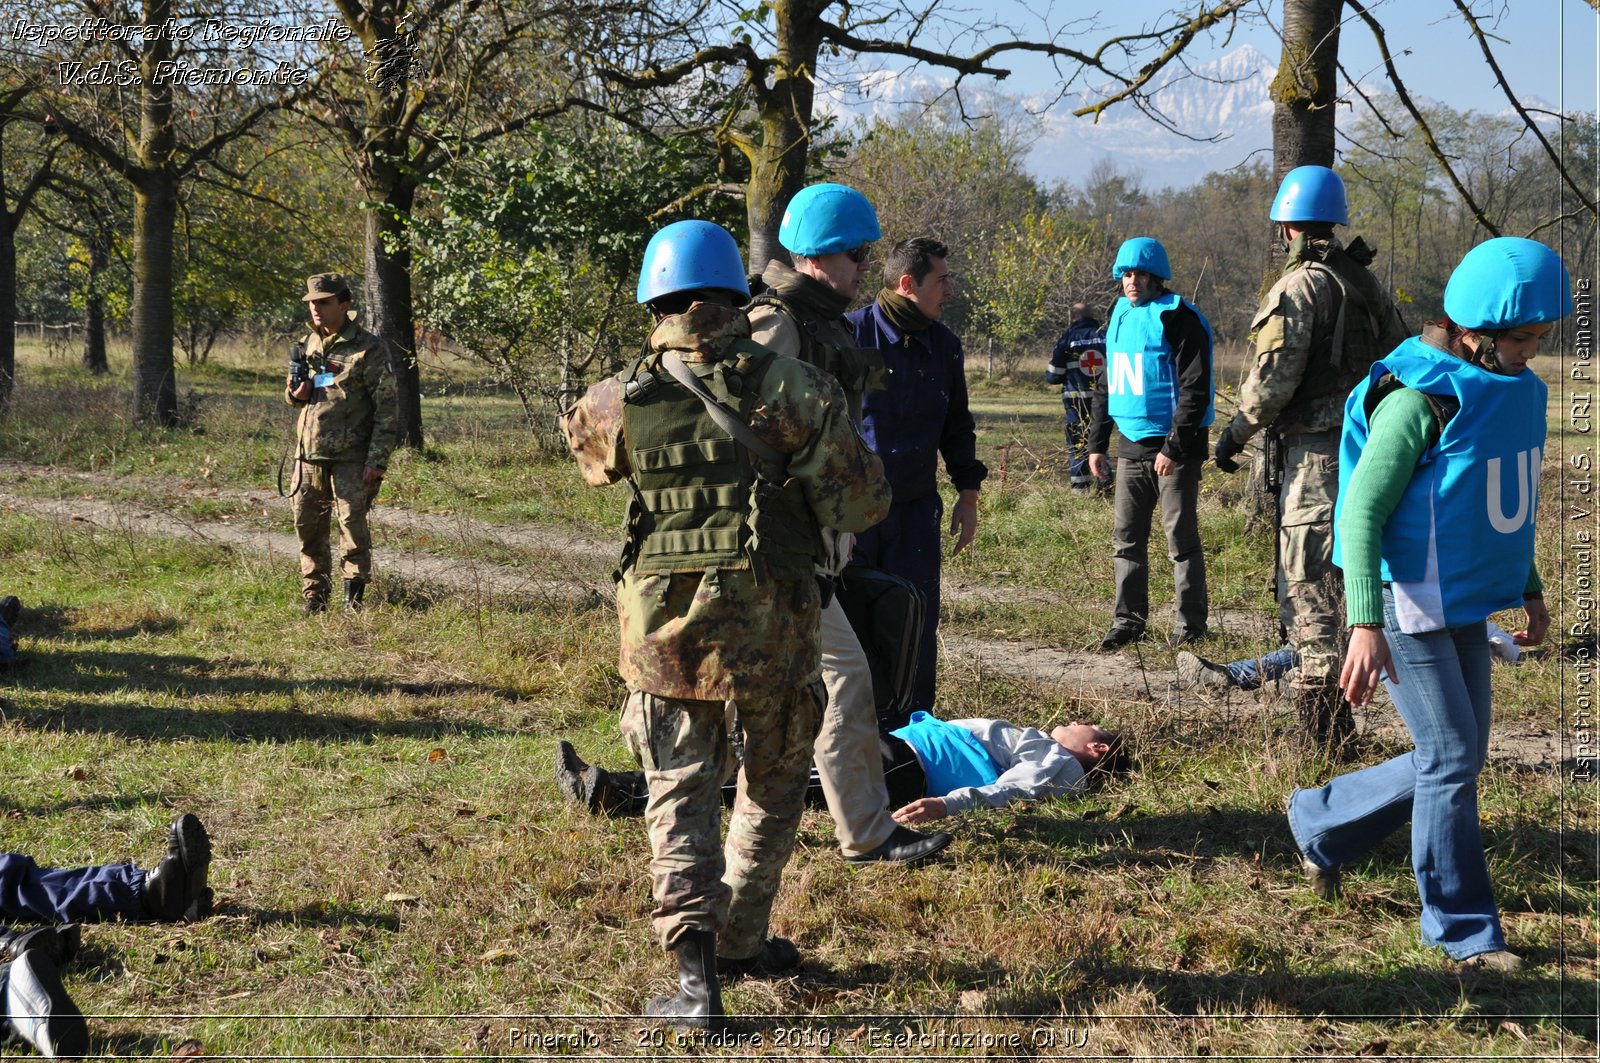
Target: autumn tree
{"type": "Point", "coordinates": [772, 56]}
{"type": "Point", "coordinates": [157, 91]}
{"type": "Point", "coordinates": [421, 84]}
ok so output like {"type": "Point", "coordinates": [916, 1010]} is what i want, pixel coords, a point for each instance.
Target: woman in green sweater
{"type": "Point", "coordinates": [1439, 469]}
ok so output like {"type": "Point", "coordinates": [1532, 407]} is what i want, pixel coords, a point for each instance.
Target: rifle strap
{"type": "Point", "coordinates": [725, 418]}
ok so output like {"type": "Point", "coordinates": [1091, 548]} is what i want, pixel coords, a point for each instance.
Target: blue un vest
{"type": "Point", "coordinates": [1460, 544]}
{"type": "Point", "coordinates": [1141, 373]}
{"type": "Point", "coordinates": [951, 757]}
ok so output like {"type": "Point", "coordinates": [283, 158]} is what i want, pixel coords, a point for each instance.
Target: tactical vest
{"type": "Point", "coordinates": [1341, 357]}
{"type": "Point", "coordinates": [1460, 543]}
{"type": "Point", "coordinates": [699, 502]}
{"type": "Point", "coordinates": [1141, 372]}
{"type": "Point", "coordinates": [829, 346]}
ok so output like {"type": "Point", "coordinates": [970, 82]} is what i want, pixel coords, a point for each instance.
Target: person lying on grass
{"type": "Point", "coordinates": [934, 768]}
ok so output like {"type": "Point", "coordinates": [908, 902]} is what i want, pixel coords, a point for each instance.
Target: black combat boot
{"type": "Point", "coordinates": [698, 1003]}
{"type": "Point", "coordinates": [316, 598]}
{"type": "Point", "coordinates": [175, 889]}
{"type": "Point", "coordinates": [37, 1010]}
{"type": "Point", "coordinates": [612, 793]}
{"type": "Point", "coordinates": [60, 942]}
{"type": "Point", "coordinates": [353, 591]}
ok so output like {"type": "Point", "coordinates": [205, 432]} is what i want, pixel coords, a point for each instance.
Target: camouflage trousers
{"type": "Point", "coordinates": [330, 489]}
{"type": "Point", "coordinates": [697, 882]}
{"type": "Point", "coordinates": [1310, 588]}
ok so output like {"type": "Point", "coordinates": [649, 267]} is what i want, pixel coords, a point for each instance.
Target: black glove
{"type": "Point", "coordinates": [1227, 447]}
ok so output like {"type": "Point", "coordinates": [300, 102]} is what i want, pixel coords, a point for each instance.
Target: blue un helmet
{"type": "Point", "coordinates": [1142, 252]}
{"type": "Point", "coordinates": [1311, 193]}
{"type": "Point", "coordinates": [1507, 282]}
{"type": "Point", "coordinates": [687, 255]}
{"type": "Point", "coordinates": [827, 218]}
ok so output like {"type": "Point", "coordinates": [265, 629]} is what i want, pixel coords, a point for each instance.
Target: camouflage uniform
{"type": "Point", "coordinates": [348, 425]}
{"type": "Point", "coordinates": [695, 640]}
{"type": "Point", "coordinates": [802, 318]}
{"type": "Point", "coordinates": [1317, 332]}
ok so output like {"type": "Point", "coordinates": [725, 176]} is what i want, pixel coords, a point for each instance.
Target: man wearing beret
{"type": "Point", "coordinates": [346, 430]}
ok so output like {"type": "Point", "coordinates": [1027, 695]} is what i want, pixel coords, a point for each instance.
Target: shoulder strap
{"type": "Point", "coordinates": [726, 419]}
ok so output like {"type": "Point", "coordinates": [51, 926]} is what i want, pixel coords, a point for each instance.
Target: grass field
{"type": "Point", "coordinates": [398, 876]}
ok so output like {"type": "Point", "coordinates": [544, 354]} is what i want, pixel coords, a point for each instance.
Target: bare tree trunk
{"type": "Point", "coordinates": [1306, 85]}
{"type": "Point", "coordinates": [388, 294]}
{"type": "Point", "coordinates": [8, 306]}
{"type": "Point", "coordinates": [778, 164]}
{"type": "Point", "coordinates": [94, 301]}
{"type": "Point", "coordinates": [155, 385]}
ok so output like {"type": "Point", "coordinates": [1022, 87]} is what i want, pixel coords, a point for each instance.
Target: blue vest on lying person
{"type": "Point", "coordinates": [951, 757]}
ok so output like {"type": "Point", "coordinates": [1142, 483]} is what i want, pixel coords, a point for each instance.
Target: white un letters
{"type": "Point", "coordinates": [1527, 464]}
{"type": "Point", "coordinates": [1127, 373]}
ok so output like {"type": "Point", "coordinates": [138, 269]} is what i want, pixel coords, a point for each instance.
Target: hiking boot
{"type": "Point", "coordinates": [904, 846]}
{"type": "Point", "coordinates": [59, 942]}
{"type": "Point", "coordinates": [570, 770]}
{"type": "Point", "coordinates": [1119, 637]}
{"type": "Point", "coordinates": [609, 793]}
{"type": "Point", "coordinates": [776, 956]}
{"type": "Point", "coordinates": [316, 599]}
{"type": "Point", "coordinates": [354, 591]}
{"type": "Point", "coordinates": [38, 1010]}
{"type": "Point", "coordinates": [1196, 671]}
{"type": "Point", "coordinates": [175, 889]}
{"type": "Point", "coordinates": [1503, 960]}
{"type": "Point", "coordinates": [698, 1003]}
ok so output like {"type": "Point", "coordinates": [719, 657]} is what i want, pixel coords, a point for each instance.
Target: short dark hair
{"type": "Point", "coordinates": [1117, 760]}
{"type": "Point", "coordinates": [914, 256]}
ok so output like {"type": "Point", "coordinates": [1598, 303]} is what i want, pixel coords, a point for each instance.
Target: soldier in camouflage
{"type": "Point", "coordinates": [1317, 332]}
{"type": "Point", "coordinates": [737, 459]}
{"type": "Point", "coordinates": [828, 230]}
{"type": "Point", "coordinates": [344, 435]}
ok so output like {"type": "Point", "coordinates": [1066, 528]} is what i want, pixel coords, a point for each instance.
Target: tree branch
{"type": "Point", "coordinates": [1201, 22]}
{"type": "Point", "coordinates": [1422, 123]}
{"type": "Point", "coordinates": [1522, 112]}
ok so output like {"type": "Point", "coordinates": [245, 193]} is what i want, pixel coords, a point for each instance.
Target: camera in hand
{"type": "Point", "coordinates": [299, 368]}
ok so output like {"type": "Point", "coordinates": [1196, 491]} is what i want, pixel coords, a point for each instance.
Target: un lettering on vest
{"type": "Point", "coordinates": [1526, 463]}
{"type": "Point", "coordinates": [1127, 373]}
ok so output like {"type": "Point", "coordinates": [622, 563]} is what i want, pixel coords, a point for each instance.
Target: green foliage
{"type": "Point", "coordinates": [1014, 301]}
{"type": "Point", "coordinates": [531, 259]}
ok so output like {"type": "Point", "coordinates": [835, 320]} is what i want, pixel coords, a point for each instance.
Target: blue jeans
{"type": "Point", "coordinates": [1252, 672]}
{"type": "Point", "coordinates": [30, 893]}
{"type": "Point", "coordinates": [1443, 697]}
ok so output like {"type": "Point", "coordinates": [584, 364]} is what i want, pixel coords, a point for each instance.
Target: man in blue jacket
{"type": "Point", "coordinates": [1159, 394]}
{"type": "Point", "coordinates": [920, 415]}
{"type": "Point", "coordinates": [1076, 365]}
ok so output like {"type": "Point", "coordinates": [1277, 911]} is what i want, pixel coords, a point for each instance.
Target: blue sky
{"type": "Point", "coordinates": [1547, 52]}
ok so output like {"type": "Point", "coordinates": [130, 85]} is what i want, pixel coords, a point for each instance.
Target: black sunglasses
{"type": "Point", "coordinates": [859, 255]}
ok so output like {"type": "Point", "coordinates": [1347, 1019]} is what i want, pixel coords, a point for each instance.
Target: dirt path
{"type": "Point", "coordinates": [575, 568]}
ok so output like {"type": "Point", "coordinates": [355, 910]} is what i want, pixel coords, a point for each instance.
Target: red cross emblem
{"type": "Point", "coordinates": [1090, 362]}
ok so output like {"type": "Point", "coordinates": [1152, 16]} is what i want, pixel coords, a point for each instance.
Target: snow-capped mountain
{"type": "Point", "coordinates": [1223, 109]}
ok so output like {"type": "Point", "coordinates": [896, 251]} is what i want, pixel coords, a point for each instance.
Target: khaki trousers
{"type": "Point", "coordinates": [697, 882]}
{"type": "Point", "coordinates": [847, 753]}
{"type": "Point", "coordinates": [330, 489]}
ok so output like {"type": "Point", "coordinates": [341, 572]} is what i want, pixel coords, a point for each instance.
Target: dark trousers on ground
{"type": "Point", "coordinates": [30, 893]}
{"type": "Point", "coordinates": [907, 543]}
{"type": "Point", "coordinates": [1138, 491]}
